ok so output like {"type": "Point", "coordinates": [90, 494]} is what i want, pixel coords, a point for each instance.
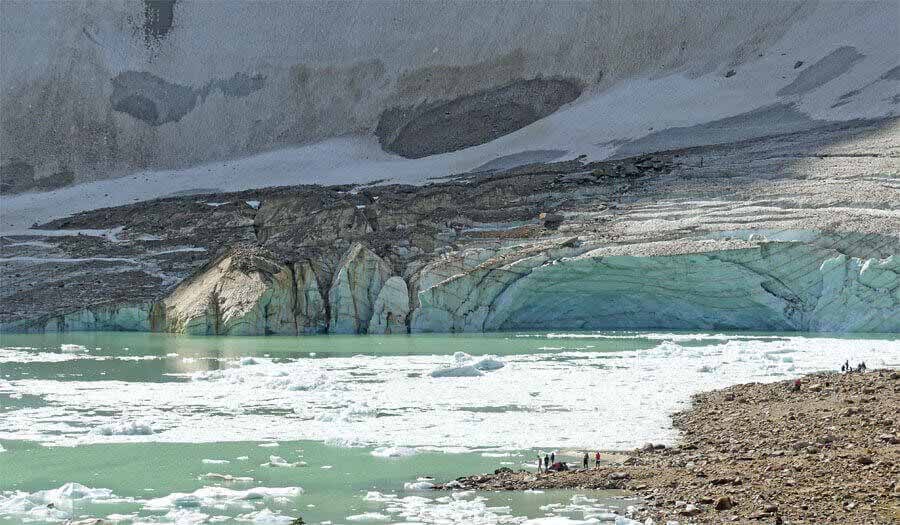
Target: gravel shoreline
{"type": "Point", "coordinates": [758, 453]}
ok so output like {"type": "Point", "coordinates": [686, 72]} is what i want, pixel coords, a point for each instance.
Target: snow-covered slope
{"type": "Point", "coordinates": [790, 109]}
{"type": "Point", "coordinates": [228, 96]}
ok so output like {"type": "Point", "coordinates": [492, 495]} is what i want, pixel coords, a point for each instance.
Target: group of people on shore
{"type": "Point", "coordinates": [847, 367]}
{"type": "Point", "coordinates": [549, 464]}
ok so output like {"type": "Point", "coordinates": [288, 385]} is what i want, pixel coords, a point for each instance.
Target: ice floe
{"type": "Point", "coordinates": [393, 452]}
{"type": "Point", "coordinates": [227, 477]}
{"type": "Point", "coordinates": [278, 461]}
{"type": "Point", "coordinates": [266, 517]}
{"type": "Point", "coordinates": [469, 507]}
{"type": "Point", "coordinates": [31, 355]}
{"type": "Point", "coordinates": [220, 497]}
{"type": "Point", "coordinates": [418, 485]}
{"type": "Point", "coordinates": [467, 366]}
{"type": "Point", "coordinates": [387, 400]}
{"type": "Point", "coordinates": [124, 428]}
{"type": "Point", "coordinates": [204, 505]}
{"type": "Point", "coordinates": [369, 516]}
{"type": "Point", "coordinates": [53, 505]}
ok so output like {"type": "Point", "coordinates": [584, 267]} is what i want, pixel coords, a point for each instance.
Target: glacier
{"type": "Point", "coordinates": [637, 165]}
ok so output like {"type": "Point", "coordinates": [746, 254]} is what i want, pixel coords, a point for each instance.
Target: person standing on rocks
{"type": "Point", "coordinates": [584, 461]}
{"type": "Point", "coordinates": [597, 459]}
{"type": "Point", "coordinates": [546, 462]}
{"type": "Point", "coordinates": [552, 458]}
{"type": "Point", "coordinates": [540, 462]}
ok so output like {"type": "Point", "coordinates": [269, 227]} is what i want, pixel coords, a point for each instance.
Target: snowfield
{"type": "Point", "coordinates": [816, 64]}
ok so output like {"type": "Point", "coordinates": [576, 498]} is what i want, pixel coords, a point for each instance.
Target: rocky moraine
{"type": "Point", "coordinates": [823, 450]}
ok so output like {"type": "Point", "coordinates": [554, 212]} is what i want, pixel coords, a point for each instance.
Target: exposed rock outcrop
{"type": "Point", "coordinates": [354, 291]}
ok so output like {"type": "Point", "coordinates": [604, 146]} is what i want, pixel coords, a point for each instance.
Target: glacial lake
{"type": "Point", "coordinates": [157, 428]}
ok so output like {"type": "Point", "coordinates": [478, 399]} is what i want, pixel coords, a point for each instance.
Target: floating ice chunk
{"type": "Point", "coordinates": [284, 380]}
{"type": "Point", "coordinates": [253, 204]}
{"type": "Point", "coordinates": [266, 517]}
{"type": "Point", "coordinates": [350, 413]}
{"type": "Point", "coordinates": [216, 461]}
{"type": "Point", "coordinates": [52, 505]}
{"type": "Point", "coordinates": [209, 497]}
{"type": "Point", "coordinates": [461, 357]}
{"type": "Point", "coordinates": [186, 517]}
{"type": "Point", "coordinates": [74, 349]}
{"type": "Point", "coordinates": [278, 461]}
{"type": "Point", "coordinates": [248, 360]}
{"type": "Point", "coordinates": [124, 428]}
{"type": "Point", "coordinates": [457, 371]}
{"type": "Point", "coordinates": [560, 520]}
{"type": "Point", "coordinates": [393, 452]}
{"type": "Point", "coordinates": [445, 450]}
{"type": "Point", "coordinates": [116, 518]}
{"type": "Point", "coordinates": [267, 445]}
{"type": "Point", "coordinates": [489, 362]}
{"type": "Point", "coordinates": [227, 477]}
{"type": "Point", "coordinates": [209, 375]}
{"type": "Point", "coordinates": [344, 442]}
{"type": "Point", "coordinates": [2, 449]}
{"type": "Point", "coordinates": [580, 499]}
{"type": "Point", "coordinates": [467, 366]}
{"type": "Point", "coordinates": [369, 516]}
{"type": "Point", "coordinates": [418, 485]}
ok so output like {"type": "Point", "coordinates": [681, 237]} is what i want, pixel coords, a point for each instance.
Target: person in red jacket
{"type": "Point", "coordinates": [597, 459]}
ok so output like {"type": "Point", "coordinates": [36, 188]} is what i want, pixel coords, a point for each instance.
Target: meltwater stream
{"type": "Point", "coordinates": [150, 428]}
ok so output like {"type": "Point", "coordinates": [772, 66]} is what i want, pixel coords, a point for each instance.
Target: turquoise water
{"type": "Point", "coordinates": [149, 470]}
{"type": "Point", "coordinates": [162, 428]}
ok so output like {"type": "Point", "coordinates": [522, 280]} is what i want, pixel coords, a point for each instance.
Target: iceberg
{"type": "Point", "coordinates": [124, 428]}
{"type": "Point", "coordinates": [278, 461]}
{"type": "Point", "coordinates": [468, 366]}
{"type": "Point", "coordinates": [393, 452]}
{"type": "Point", "coordinates": [53, 505]}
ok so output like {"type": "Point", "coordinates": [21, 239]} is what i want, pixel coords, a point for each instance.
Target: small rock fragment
{"type": "Point", "coordinates": [723, 503]}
